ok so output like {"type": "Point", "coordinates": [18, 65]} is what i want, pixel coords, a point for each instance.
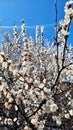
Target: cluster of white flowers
{"type": "Point", "coordinates": [15, 31]}
{"type": "Point", "coordinates": [67, 19]}
{"type": "Point", "coordinates": [25, 84]}
{"type": "Point", "coordinates": [57, 119]}
{"type": "Point", "coordinates": [8, 121]}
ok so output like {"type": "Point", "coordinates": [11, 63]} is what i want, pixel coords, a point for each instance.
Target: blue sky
{"type": "Point", "coordinates": [34, 12]}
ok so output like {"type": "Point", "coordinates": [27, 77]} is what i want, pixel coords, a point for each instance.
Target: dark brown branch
{"type": "Point", "coordinates": [64, 91]}
{"type": "Point", "coordinates": [39, 107]}
{"type": "Point", "coordinates": [22, 111]}
{"type": "Point", "coordinates": [56, 81]}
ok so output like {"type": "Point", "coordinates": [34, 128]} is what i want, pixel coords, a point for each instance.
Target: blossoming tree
{"type": "Point", "coordinates": [36, 83]}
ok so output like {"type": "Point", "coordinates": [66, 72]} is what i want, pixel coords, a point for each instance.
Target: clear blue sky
{"type": "Point", "coordinates": [34, 12]}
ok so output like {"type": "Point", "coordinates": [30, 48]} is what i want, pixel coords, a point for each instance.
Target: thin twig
{"type": "Point", "coordinates": [56, 81]}
{"type": "Point", "coordinates": [39, 107]}
{"type": "Point", "coordinates": [56, 39]}
{"type": "Point", "coordinates": [25, 117]}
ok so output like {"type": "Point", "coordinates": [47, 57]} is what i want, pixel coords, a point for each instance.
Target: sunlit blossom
{"type": "Point", "coordinates": [53, 107]}
{"type": "Point", "coordinates": [26, 128]}
{"type": "Point", "coordinates": [71, 112]}
{"type": "Point", "coordinates": [41, 85]}
{"type": "Point", "coordinates": [1, 87]}
{"type": "Point", "coordinates": [15, 119]}
{"type": "Point", "coordinates": [58, 121]}
{"type": "Point", "coordinates": [5, 65]}
{"type": "Point", "coordinates": [67, 116]}
{"type": "Point", "coordinates": [1, 59]}
{"type": "Point", "coordinates": [64, 32]}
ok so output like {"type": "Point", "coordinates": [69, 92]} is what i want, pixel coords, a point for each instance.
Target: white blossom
{"type": "Point", "coordinates": [69, 3]}
{"type": "Point", "coordinates": [5, 65]}
{"type": "Point", "coordinates": [71, 112]}
{"type": "Point", "coordinates": [26, 128]}
{"type": "Point", "coordinates": [15, 119]}
{"type": "Point", "coordinates": [41, 85]}
{"type": "Point", "coordinates": [1, 59]}
{"type": "Point", "coordinates": [16, 108]}
{"type": "Point", "coordinates": [1, 87]}
{"type": "Point", "coordinates": [53, 107]}
{"type": "Point", "coordinates": [64, 32]}
{"type": "Point", "coordinates": [58, 121]}
{"type": "Point", "coordinates": [0, 78]}
{"type": "Point", "coordinates": [47, 90]}
{"type": "Point", "coordinates": [34, 121]}
{"type": "Point", "coordinates": [9, 121]}
{"type": "Point", "coordinates": [10, 100]}
{"type": "Point", "coordinates": [67, 116]}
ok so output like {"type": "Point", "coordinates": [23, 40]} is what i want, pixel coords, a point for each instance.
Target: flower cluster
{"type": "Point", "coordinates": [36, 84]}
